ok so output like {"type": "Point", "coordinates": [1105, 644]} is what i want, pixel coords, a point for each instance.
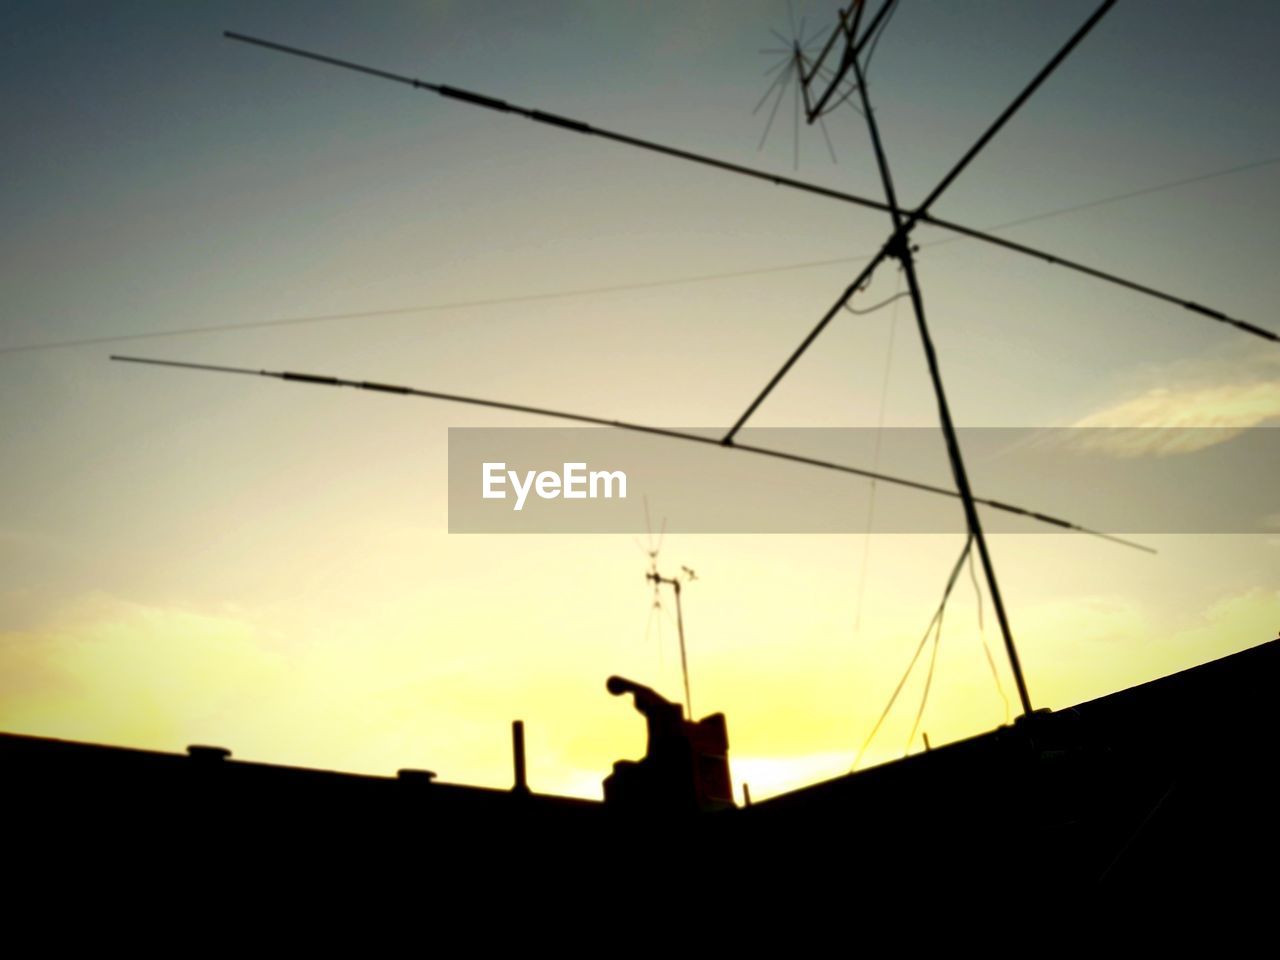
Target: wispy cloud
{"type": "Point", "coordinates": [1193, 405]}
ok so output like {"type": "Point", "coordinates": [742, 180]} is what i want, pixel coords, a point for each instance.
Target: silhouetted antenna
{"type": "Point", "coordinates": [850, 38]}
{"type": "Point", "coordinates": [827, 86]}
{"type": "Point", "coordinates": [797, 55]}
{"type": "Point", "coordinates": [674, 582]}
{"type": "Point", "coordinates": [899, 247]}
{"type": "Point", "coordinates": [651, 549]}
{"type": "Point", "coordinates": [845, 29]}
{"type": "Point", "coordinates": [902, 224]}
{"type": "Point", "coordinates": [325, 381]}
{"type": "Point", "coordinates": [654, 577]}
{"type": "Point", "coordinates": [919, 215]}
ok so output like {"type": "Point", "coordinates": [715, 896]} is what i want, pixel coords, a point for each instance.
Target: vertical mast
{"type": "Point", "coordinates": [900, 248]}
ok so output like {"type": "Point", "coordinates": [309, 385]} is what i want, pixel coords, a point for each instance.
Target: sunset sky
{"type": "Point", "coordinates": [190, 558]}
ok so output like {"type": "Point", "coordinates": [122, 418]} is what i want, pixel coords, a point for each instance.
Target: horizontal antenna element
{"type": "Point", "coordinates": [326, 381]}
{"type": "Point", "coordinates": [913, 216]}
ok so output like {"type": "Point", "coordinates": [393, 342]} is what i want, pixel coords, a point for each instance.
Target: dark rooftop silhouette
{"type": "Point", "coordinates": [1163, 786]}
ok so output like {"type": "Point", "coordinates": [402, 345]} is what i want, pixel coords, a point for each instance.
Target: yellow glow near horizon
{"type": "Point", "coordinates": [120, 673]}
{"type": "Point", "coordinates": [196, 558]}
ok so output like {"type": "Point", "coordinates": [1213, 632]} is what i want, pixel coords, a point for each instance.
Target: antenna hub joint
{"type": "Point", "coordinates": [899, 247]}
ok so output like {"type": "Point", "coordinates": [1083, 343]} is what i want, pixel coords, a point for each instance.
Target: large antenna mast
{"type": "Point", "coordinates": [851, 38]}
{"type": "Point", "coordinates": [899, 247]}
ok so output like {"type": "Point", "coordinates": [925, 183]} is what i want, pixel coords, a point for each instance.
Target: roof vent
{"type": "Point", "coordinates": [198, 751]}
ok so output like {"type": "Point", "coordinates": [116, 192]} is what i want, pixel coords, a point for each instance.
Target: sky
{"type": "Point", "coordinates": [189, 558]}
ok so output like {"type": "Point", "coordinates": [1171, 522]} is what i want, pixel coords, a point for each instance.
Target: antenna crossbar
{"type": "Point", "coordinates": [326, 381]}
{"type": "Point", "coordinates": [920, 215]}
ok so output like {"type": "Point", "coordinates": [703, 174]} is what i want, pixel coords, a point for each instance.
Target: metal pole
{"type": "Point", "coordinates": [684, 661]}
{"type": "Point", "coordinates": [903, 252]}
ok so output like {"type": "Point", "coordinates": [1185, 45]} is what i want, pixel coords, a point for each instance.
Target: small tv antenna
{"type": "Point", "coordinates": [653, 576]}
{"type": "Point", "coordinates": [674, 582]}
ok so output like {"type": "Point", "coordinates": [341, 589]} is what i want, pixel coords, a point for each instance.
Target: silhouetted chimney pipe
{"type": "Point", "coordinates": [517, 749]}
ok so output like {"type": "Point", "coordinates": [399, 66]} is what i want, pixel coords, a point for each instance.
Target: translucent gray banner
{"type": "Point", "coordinates": [597, 480]}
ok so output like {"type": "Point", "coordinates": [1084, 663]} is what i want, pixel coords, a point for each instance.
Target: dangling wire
{"type": "Point", "coordinates": [795, 123]}
{"type": "Point", "coordinates": [871, 501]}
{"type": "Point", "coordinates": [782, 89]}
{"type": "Point", "coordinates": [829, 77]}
{"type": "Point", "coordinates": [866, 64]}
{"type": "Point", "coordinates": [936, 621]}
{"type": "Point", "coordinates": [937, 639]}
{"type": "Point", "coordinates": [653, 550]}
{"type": "Point", "coordinates": [657, 608]}
{"type": "Point", "coordinates": [982, 635]}
{"type": "Point", "coordinates": [928, 678]}
{"type": "Point", "coordinates": [883, 303]}
{"type": "Point", "coordinates": [648, 623]}
{"type": "Point", "coordinates": [780, 78]}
